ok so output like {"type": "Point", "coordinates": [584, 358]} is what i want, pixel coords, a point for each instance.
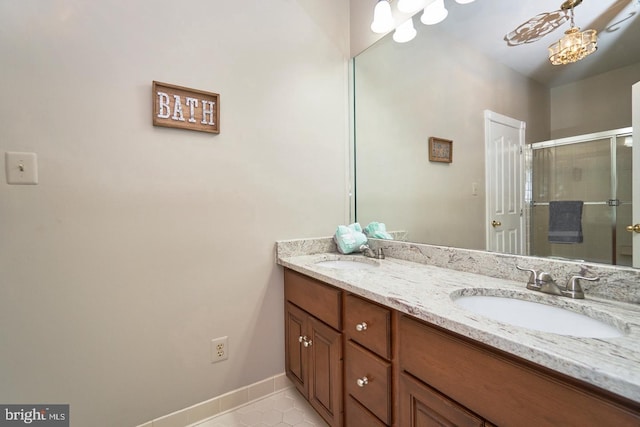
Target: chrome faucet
{"type": "Point", "coordinates": [368, 252]}
{"type": "Point", "coordinates": [544, 282]}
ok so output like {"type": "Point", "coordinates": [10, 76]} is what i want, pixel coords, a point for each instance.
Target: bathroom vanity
{"type": "Point", "coordinates": [385, 345]}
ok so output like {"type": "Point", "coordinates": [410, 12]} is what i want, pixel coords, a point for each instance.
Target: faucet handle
{"type": "Point", "coordinates": [574, 290]}
{"type": "Point", "coordinates": [533, 279]}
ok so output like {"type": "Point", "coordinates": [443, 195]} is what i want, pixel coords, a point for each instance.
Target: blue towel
{"type": "Point", "coordinates": [565, 222]}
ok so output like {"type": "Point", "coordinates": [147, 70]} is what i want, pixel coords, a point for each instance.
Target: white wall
{"type": "Point", "coordinates": [140, 244]}
{"type": "Point", "coordinates": [595, 104]}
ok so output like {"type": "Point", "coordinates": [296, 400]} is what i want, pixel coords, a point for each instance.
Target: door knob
{"type": "Point", "coordinates": [495, 223]}
{"type": "Point", "coordinates": [635, 228]}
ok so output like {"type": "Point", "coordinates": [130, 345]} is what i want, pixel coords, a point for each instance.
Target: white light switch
{"type": "Point", "coordinates": [22, 168]}
{"type": "Point", "coordinates": [474, 188]}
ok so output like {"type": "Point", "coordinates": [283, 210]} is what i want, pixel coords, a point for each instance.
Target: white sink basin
{"type": "Point", "coordinates": [537, 316]}
{"type": "Point", "coordinates": [344, 264]}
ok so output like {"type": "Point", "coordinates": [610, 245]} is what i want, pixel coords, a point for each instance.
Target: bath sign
{"type": "Point", "coordinates": [184, 108]}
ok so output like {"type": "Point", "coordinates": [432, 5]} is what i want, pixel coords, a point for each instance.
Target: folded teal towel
{"type": "Point", "coordinates": [377, 230]}
{"type": "Point", "coordinates": [349, 238]}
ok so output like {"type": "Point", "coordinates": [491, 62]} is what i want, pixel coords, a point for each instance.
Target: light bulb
{"type": "Point", "coordinates": [382, 19]}
{"type": "Point", "coordinates": [434, 12]}
{"type": "Point", "coordinates": [410, 6]}
{"type": "Point", "coordinates": [404, 32]}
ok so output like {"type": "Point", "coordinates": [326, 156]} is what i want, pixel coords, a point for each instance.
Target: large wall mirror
{"type": "Point", "coordinates": [451, 77]}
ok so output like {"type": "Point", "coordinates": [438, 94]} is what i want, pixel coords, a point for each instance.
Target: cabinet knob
{"type": "Point", "coordinates": [362, 381]}
{"type": "Point", "coordinates": [361, 327]}
{"type": "Point", "coordinates": [305, 341]}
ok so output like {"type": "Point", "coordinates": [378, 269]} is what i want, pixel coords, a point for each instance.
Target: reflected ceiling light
{"type": "Point", "coordinates": [464, 1]}
{"type": "Point", "coordinates": [434, 12]}
{"type": "Point", "coordinates": [628, 141]}
{"type": "Point", "coordinates": [575, 45]}
{"type": "Point", "coordinates": [404, 32]}
{"type": "Point", "coordinates": [410, 6]}
{"type": "Point", "coordinates": [382, 19]}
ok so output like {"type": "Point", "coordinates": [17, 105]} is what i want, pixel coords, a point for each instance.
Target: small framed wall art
{"type": "Point", "coordinates": [440, 150]}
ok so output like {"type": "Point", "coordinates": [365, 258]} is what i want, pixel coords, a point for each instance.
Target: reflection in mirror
{"type": "Point", "coordinates": [596, 170]}
{"type": "Point", "coordinates": [438, 85]}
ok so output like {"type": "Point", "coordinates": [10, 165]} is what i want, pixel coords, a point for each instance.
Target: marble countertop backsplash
{"type": "Point", "coordinates": [420, 280]}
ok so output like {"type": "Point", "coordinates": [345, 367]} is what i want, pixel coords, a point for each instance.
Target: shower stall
{"type": "Point", "coordinates": [595, 169]}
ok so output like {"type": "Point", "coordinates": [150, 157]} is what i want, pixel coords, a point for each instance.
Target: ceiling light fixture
{"type": "Point", "coordinates": [382, 18]}
{"type": "Point", "coordinates": [405, 32]}
{"type": "Point", "coordinates": [575, 45]}
{"type": "Point", "coordinates": [464, 1]}
{"type": "Point", "coordinates": [410, 6]}
{"type": "Point", "coordinates": [434, 13]}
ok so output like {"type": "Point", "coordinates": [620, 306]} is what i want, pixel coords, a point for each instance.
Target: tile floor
{"type": "Point", "coordinates": [282, 409]}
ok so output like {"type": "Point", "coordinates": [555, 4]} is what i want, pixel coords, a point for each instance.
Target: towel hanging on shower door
{"type": "Point", "coordinates": [565, 221]}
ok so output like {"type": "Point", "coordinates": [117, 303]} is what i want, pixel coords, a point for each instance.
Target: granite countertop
{"type": "Point", "coordinates": [425, 292]}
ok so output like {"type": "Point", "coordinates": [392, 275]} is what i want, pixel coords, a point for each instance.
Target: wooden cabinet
{"type": "Point", "coordinates": [368, 368]}
{"type": "Point", "coordinates": [403, 372]}
{"type": "Point", "coordinates": [501, 388]}
{"type": "Point", "coordinates": [357, 415]}
{"type": "Point", "coordinates": [313, 348]}
{"type": "Point", "coordinates": [423, 406]}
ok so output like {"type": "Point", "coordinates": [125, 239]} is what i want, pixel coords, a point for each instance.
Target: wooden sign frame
{"type": "Point", "coordinates": [440, 150]}
{"type": "Point", "coordinates": [185, 108]}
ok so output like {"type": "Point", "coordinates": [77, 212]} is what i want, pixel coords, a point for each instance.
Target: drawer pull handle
{"type": "Point", "coordinates": [301, 338]}
{"type": "Point", "coordinates": [362, 381]}
{"type": "Point", "coordinates": [361, 327]}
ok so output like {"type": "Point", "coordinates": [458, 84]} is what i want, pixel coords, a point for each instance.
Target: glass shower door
{"type": "Point", "coordinates": [595, 169]}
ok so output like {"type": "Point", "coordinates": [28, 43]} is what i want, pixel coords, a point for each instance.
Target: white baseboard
{"type": "Point", "coordinates": [200, 412]}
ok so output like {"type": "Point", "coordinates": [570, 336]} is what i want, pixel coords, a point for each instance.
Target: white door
{"type": "Point", "coordinates": [504, 175]}
{"type": "Point", "coordinates": [636, 174]}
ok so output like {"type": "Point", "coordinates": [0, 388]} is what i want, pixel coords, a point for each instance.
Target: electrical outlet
{"type": "Point", "coordinates": [219, 349]}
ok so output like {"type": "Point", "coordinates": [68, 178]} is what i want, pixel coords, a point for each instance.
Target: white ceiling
{"type": "Point", "coordinates": [484, 24]}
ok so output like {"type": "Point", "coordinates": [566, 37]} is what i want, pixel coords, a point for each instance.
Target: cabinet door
{"type": "Point", "coordinates": [295, 354]}
{"type": "Point", "coordinates": [421, 406]}
{"type": "Point", "coordinates": [325, 371]}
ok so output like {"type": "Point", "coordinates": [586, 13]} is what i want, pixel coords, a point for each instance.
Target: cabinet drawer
{"type": "Point", "coordinates": [500, 388]}
{"type": "Point", "coordinates": [322, 301]}
{"type": "Point", "coordinates": [368, 324]}
{"type": "Point", "coordinates": [376, 393]}
{"type": "Point", "coordinates": [357, 415]}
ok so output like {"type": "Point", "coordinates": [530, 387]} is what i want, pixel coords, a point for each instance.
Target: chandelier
{"type": "Point", "coordinates": [576, 44]}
